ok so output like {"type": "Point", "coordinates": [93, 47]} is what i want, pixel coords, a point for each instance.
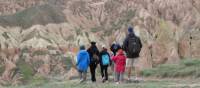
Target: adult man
{"type": "Point", "coordinates": [94, 59]}
{"type": "Point", "coordinates": [132, 46]}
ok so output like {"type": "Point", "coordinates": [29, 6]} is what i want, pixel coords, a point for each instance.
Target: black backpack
{"type": "Point", "coordinates": [95, 58]}
{"type": "Point", "coordinates": [133, 45]}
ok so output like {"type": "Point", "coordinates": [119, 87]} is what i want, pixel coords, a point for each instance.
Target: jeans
{"type": "Point", "coordinates": [119, 76]}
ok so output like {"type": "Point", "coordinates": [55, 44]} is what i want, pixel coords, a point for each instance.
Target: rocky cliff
{"type": "Point", "coordinates": [39, 33]}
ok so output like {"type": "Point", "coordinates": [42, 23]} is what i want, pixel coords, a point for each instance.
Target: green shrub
{"type": "Point", "coordinates": [189, 62]}
{"type": "Point", "coordinates": [25, 69]}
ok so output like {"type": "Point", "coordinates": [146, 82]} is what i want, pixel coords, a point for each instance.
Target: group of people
{"type": "Point", "coordinates": [122, 58]}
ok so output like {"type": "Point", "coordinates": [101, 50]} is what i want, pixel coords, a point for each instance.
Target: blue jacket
{"type": "Point", "coordinates": [83, 60]}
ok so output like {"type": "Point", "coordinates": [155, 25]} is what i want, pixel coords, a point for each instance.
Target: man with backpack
{"type": "Point", "coordinates": [105, 61]}
{"type": "Point", "coordinates": [94, 59]}
{"type": "Point", "coordinates": [132, 46]}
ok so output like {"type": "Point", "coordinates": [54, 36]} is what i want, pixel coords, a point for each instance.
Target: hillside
{"type": "Point", "coordinates": [31, 30]}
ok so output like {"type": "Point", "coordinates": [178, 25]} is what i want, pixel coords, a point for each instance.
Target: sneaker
{"type": "Point", "coordinates": [117, 83]}
{"type": "Point", "coordinates": [81, 81]}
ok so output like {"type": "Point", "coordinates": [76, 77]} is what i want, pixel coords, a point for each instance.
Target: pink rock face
{"type": "Point", "coordinates": [9, 69]}
{"type": "Point", "coordinates": [158, 54]}
{"type": "Point", "coordinates": [145, 60]}
{"type": "Point", "coordinates": [195, 44]}
{"type": "Point", "coordinates": [184, 48]}
{"type": "Point", "coordinates": [44, 70]}
{"type": "Point", "coordinates": [189, 45]}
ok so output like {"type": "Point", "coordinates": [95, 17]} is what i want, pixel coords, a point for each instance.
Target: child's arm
{"type": "Point", "coordinates": [114, 58]}
{"type": "Point", "coordinates": [110, 59]}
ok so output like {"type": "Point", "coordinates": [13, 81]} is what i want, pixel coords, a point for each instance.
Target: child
{"type": "Point", "coordinates": [105, 61]}
{"type": "Point", "coordinates": [83, 61]}
{"type": "Point", "coordinates": [120, 62]}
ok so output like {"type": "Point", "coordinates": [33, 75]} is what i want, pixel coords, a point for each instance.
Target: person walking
{"type": "Point", "coordinates": [94, 59]}
{"type": "Point", "coordinates": [120, 63]}
{"type": "Point", "coordinates": [132, 46]}
{"type": "Point", "coordinates": [105, 61]}
{"type": "Point", "coordinates": [83, 61]}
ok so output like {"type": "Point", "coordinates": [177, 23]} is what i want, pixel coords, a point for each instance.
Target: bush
{"type": "Point", "coordinates": [189, 62]}
{"type": "Point", "coordinates": [25, 69]}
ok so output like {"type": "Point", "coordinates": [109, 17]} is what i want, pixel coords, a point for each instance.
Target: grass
{"type": "Point", "coordinates": [187, 68]}
{"type": "Point", "coordinates": [145, 84]}
{"type": "Point", "coordinates": [76, 85]}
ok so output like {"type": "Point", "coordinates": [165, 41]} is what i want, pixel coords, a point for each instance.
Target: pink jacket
{"type": "Point", "coordinates": [120, 62]}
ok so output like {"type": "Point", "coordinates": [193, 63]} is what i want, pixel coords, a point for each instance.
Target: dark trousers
{"type": "Point", "coordinates": [92, 71]}
{"type": "Point", "coordinates": [104, 72]}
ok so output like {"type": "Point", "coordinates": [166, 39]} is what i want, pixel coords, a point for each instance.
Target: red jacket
{"type": "Point", "coordinates": [120, 61]}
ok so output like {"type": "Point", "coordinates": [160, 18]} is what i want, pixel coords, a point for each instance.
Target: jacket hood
{"type": "Point", "coordinates": [83, 52]}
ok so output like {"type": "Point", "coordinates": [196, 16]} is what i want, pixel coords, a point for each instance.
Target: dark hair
{"type": "Point", "coordinates": [93, 43]}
